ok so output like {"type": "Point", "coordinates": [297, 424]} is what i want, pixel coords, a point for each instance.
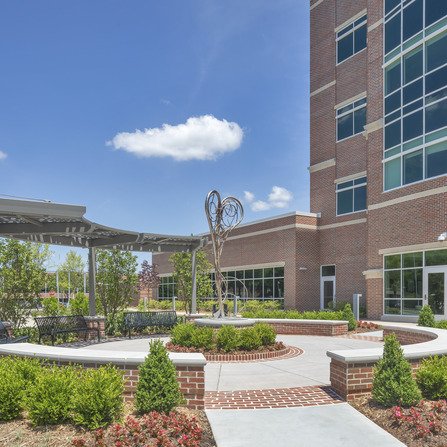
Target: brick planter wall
{"type": "Point", "coordinates": [409, 338]}
{"type": "Point", "coordinates": [329, 328]}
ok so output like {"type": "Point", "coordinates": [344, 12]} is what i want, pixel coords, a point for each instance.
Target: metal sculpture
{"type": "Point", "coordinates": [223, 216]}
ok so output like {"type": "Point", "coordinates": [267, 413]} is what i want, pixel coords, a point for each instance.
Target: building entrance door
{"type": "Point", "coordinates": [327, 291]}
{"type": "Point", "coordinates": [435, 287]}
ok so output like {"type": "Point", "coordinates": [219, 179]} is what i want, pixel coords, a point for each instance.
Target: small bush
{"type": "Point", "coordinates": [348, 315]}
{"type": "Point", "coordinates": [98, 397]}
{"type": "Point", "coordinates": [157, 388]}
{"type": "Point", "coordinates": [294, 314]}
{"type": "Point", "coordinates": [426, 317]}
{"type": "Point", "coordinates": [256, 306]}
{"type": "Point", "coordinates": [393, 383]}
{"type": "Point", "coordinates": [79, 304]}
{"type": "Point", "coordinates": [52, 307]}
{"type": "Point", "coordinates": [227, 338]}
{"type": "Point", "coordinates": [203, 338]}
{"type": "Point", "coordinates": [115, 325]}
{"type": "Point", "coordinates": [441, 324]}
{"type": "Point", "coordinates": [49, 399]}
{"type": "Point", "coordinates": [249, 339]}
{"type": "Point", "coordinates": [11, 391]}
{"type": "Point", "coordinates": [266, 333]}
{"type": "Point", "coordinates": [432, 378]}
{"type": "Point", "coordinates": [182, 334]}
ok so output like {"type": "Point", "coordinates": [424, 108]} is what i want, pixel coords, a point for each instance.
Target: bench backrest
{"type": "Point", "coordinates": [3, 332]}
{"type": "Point", "coordinates": [67, 323]}
{"type": "Point", "coordinates": [144, 319]}
{"type": "Point", "coordinates": [165, 318]}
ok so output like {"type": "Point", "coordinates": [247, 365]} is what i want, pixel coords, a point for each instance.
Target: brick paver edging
{"type": "Point", "coordinates": [271, 398]}
{"type": "Point", "coordinates": [286, 353]}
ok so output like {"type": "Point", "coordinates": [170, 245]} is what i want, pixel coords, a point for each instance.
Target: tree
{"type": "Point", "coordinates": [148, 277]}
{"type": "Point", "coordinates": [182, 263]}
{"type": "Point", "coordinates": [22, 278]}
{"type": "Point", "coordinates": [116, 280]}
{"type": "Point", "coordinates": [71, 273]}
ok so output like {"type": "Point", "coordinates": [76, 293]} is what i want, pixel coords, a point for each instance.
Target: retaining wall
{"type": "Point", "coordinates": [330, 328]}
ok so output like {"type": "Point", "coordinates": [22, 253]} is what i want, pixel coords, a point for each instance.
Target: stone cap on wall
{"type": "Point", "coordinates": [70, 355]}
{"type": "Point", "coordinates": [436, 346]}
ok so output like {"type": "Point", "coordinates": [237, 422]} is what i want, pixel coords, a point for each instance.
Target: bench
{"type": "Point", "coordinates": [64, 324]}
{"type": "Point", "coordinates": [140, 320]}
{"type": "Point", "coordinates": [6, 338]}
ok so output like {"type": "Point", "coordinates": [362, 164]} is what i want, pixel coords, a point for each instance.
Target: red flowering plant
{"type": "Point", "coordinates": [151, 430]}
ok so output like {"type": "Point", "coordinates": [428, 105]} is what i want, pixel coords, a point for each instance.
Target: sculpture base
{"type": "Point", "coordinates": [227, 321]}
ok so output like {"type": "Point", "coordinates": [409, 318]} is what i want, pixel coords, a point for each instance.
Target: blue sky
{"type": "Point", "coordinates": [76, 75]}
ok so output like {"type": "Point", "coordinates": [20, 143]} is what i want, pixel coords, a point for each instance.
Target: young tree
{"type": "Point", "coordinates": [182, 263]}
{"type": "Point", "coordinates": [148, 277]}
{"type": "Point", "coordinates": [71, 273]}
{"type": "Point", "coordinates": [22, 278]}
{"type": "Point", "coordinates": [116, 280]}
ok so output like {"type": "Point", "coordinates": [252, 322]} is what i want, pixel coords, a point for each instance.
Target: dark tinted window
{"type": "Point", "coordinates": [412, 19]}
{"type": "Point", "coordinates": [392, 102]}
{"type": "Point", "coordinates": [392, 33]}
{"type": "Point", "coordinates": [436, 80]}
{"type": "Point", "coordinates": [392, 135]}
{"type": "Point", "coordinates": [328, 270]}
{"type": "Point", "coordinates": [434, 10]}
{"type": "Point", "coordinates": [390, 4]}
{"type": "Point", "coordinates": [413, 65]}
{"type": "Point", "coordinates": [436, 159]}
{"type": "Point", "coordinates": [345, 126]}
{"type": "Point", "coordinates": [412, 126]}
{"type": "Point", "coordinates": [359, 120]}
{"type": "Point", "coordinates": [360, 39]}
{"type": "Point", "coordinates": [345, 48]}
{"type": "Point", "coordinates": [436, 116]}
{"type": "Point", "coordinates": [413, 106]}
{"type": "Point", "coordinates": [344, 202]}
{"type": "Point", "coordinates": [412, 91]}
{"type": "Point", "coordinates": [436, 52]}
{"type": "Point", "coordinates": [392, 78]}
{"type": "Point", "coordinates": [360, 198]}
{"type": "Point", "coordinates": [413, 167]}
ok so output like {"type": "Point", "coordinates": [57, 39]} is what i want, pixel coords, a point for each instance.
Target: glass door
{"type": "Point", "coordinates": [327, 291]}
{"type": "Point", "coordinates": [435, 286]}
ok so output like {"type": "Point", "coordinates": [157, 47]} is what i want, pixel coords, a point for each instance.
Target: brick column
{"type": "Point", "coordinates": [94, 323]}
{"type": "Point", "coordinates": [374, 298]}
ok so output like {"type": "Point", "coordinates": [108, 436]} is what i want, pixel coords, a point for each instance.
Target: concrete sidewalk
{"type": "Point", "coordinates": [327, 425]}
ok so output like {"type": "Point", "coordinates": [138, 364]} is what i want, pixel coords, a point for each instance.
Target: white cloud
{"type": "Point", "coordinates": [279, 197]}
{"type": "Point", "coordinates": [200, 138]}
{"type": "Point", "coordinates": [3, 155]}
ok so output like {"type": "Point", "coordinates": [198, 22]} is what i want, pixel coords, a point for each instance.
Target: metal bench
{"type": "Point", "coordinates": [5, 337]}
{"type": "Point", "coordinates": [52, 326]}
{"type": "Point", "coordinates": [140, 320]}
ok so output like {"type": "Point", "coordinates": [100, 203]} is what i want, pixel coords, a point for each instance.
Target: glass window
{"type": "Point", "coordinates": [351, 39]}
{"type": "Point", "coordinates": [436, 52]}
{"type": "Point", "coordinates": [240, 274]}
{"type": "Point", "coordinates": [413, 167]}
{"type": "Point", "coordinates": [249, 273]}
{"type": "Point", "coordinates": [351, 196]}
{"type": "Point", "coordinates": [328, 270]}
{"type": "Point", "coordinates": [392, 284]}
{"type": "Point", "coordinates": [268, 273]}
{"type": "Point", "coordinates": [436, 116]}
{"type": "Point", "coordinates": [257, 288]}
{"type": "Point", "coordinates": [249, 286]}
{"type": "Point", "coordinates": [392, 174]}
{"type": "Point", "coordinates": [411, 307]}
{"type": "Point", "coordinates": [436, 159]}
{"type": "Point", "coordinates": [412, 283]}
{"type": "Point", "coordinates": [413, 125]}
{"type": "Point", "coordinates": [390, 4]}
{"type": "Point", "coordinates": [258, 273]}
{"type": "Point", "coordinates": [392, 307]}
{"type": "Point", "coordinates": [345, 48]}
{"type": "Point", "coordinates": [345, 201]}
{"type": "Point", "coordinates": [392, 134]}
{"type": "Point", "coordinates": [392, 33]}
{"type": "Point", "coordinates": [412, 259]}
{"type": "Point", "coordinates": [392, 77]}
{"type": "Point", "coordinates": [413, 65]}
{"type": "Point", "coordinates": [434, 10]}
{"type": "Point", "coordinates": [351, 119]}
{"type": "Point", "coordinates": [279, 271]}
{"type": "Point", "coordinates": [279, 288]}
{"type": "Point", "coordinates": [268, 288]}
{"type": "Point", "coordinates": [436, 80]}
{"type": "Point", "coordinates": [436, 257]}
{"type": "Point", "coordinates": [345, 126]}
{"type": "Point", "coordinates": [359, 120]}
{"type": "Point", "coordinates": [412, 91]}
{"type": "Point", "coordinates": [392, 262]}
{"type": "Point", "coordinates": [360, 39]}
{"type": "Point", "coordinates": [360, 199]}
{"type": "Point", "coordinates": [392, 102]}
{"type": "Point", "coordinates": [412, 19]}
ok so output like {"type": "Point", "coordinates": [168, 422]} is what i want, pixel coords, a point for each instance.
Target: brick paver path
{"type": "Point", "coordinates": [271, 398]}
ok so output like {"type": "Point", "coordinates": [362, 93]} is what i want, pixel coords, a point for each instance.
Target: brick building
{"type": "Point", "coordinates": [378, 165]}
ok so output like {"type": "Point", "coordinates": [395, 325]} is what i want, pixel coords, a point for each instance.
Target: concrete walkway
{"type": "Point", "coordinates": [328, 425]}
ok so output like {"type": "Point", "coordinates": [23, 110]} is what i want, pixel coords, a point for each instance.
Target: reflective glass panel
{"type": "Point", "coordinates": [392, 283]}
{"type": "Point", "coordinates": [413, 167]}
{"type": "Point", "coordinates": [436, 116]}
{"type": "Point", "coordinates": [412, 283]}
{"type": "Point", "coordinates": [344, 201]}
{"type": "Point", "coordinates": [412, 19]}
{"type": "Point", "coordinates": [436, 159]}
{"type": "Point", "coordinates": [436, 257]}
{"type": "Point", "coordinates": [434, 10]}
{"type": "Point", "coordinates": [360, 198]}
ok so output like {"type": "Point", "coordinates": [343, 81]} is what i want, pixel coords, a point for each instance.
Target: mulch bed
{"type": "Point", "coordinates": [20, 433]}
{"type": "Point", "coordinates": [406, 432]}
{"type": "Point", "coordinates": [278, 346]}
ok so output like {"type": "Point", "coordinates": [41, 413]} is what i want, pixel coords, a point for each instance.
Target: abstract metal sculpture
{"type": "Point", "coordinates": [223, 216]}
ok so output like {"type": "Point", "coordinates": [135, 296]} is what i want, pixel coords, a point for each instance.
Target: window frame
{"type": "Point", "coordinates": [354, 28]}
{"type": "Point", "coordinates": [352, 111]}
{"type": "Point", "coordinates": [348, 188]}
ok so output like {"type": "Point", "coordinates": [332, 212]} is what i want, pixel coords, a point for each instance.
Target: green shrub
{"type": "Point", "coordinates": [49, 398]}
{"type": "Point", "coordinates": [157, 388]}
{"type": "Point", "coordinates": [348, 315]}
{"type": "Point", "coordinates": [294, 314]}
{"type": "Point", "coordinates": [249, 339]}
{"type": "Point", "coordinates": [27, 369]}
{"type": "Point", "coordinates": [426, 317]}
{"type": "Point", "coordinates": [441, 324]}
{"type": "Point", "coordinates": [31, 332]}
{"type": "Point", "coordinates": [52, 307]}
{"type": "Point", "coordinates": [432, 378]}
{"type": "Point", "coordinates": [266, 333]}
{"type": "Point", "coordinates": [203, 338]}
{"type": "Point", "coordinates": [182, 334]}
{"type": "Point", "coordinates": [11, 391]}
{"type": "Point", "coordinates": [115, 325]}
{"type": "Point", "coordinates": [393, 383]}
{"type": "Point", "coordinates": [227, 338]}
{"type": "Point", "coordinates": [98, 397]}
{"type": "Point", "coordinates": [256, 306]}
{"type": "Point", "coordinates": [79, 304]}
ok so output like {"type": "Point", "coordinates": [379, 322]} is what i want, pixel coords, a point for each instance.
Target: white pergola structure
{"type": "Point", "coordinates": [61, 224]}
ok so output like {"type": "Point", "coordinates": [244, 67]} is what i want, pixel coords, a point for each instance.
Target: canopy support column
{"type": "Point", "coordinates": [194, 283]}
{"type": "Point", "coordinates": [92, 281]}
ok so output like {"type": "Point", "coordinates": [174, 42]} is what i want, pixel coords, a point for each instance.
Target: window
{"type": "Point", "coordinates": [351, 39]}
{"type": "Point", "coordinates": [351, 196]}
{"type": "Point", "coordinates": [166, 288]}
{"type": "Point", "coordinates": [351, 119]}
{"type": "Point", "coordinates": [415, 109]}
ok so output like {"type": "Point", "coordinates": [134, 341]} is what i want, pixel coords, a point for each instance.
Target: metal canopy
{"type": "Point", "coordinates": [61, 224]}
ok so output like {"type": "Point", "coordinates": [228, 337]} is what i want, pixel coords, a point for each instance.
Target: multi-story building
{"type": "Point", "coordinates": [378, 166]}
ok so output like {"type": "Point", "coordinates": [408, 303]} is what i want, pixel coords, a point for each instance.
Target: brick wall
{"type": "Point", "coordinates": [300, 327]}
